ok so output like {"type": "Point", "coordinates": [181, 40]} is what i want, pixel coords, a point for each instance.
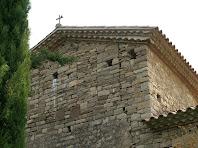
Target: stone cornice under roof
{"type": "Point", "coordinates": [173, 119]}
{"type": "Point", "coordinates": [150, 36]}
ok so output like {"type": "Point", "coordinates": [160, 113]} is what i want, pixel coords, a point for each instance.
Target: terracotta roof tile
{"type": "Point", "coordinates": [173, 119]}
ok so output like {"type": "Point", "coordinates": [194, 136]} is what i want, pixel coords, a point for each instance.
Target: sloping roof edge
{"type": "Point", "coordinates": [90, 30]}
{"type": "Point", "coordinates": [151, 36]}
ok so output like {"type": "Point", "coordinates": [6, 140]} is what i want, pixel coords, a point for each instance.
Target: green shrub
{"type": "Point", "coordinates": [45, 54]}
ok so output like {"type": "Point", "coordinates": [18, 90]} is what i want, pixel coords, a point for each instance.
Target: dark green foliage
{"type": "Point", "coordinates": [45, 54]}
{"type": "Point", "coordinates": [14, 72]}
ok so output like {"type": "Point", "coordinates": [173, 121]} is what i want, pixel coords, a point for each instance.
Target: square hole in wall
{"type": "Point", "coordinates": [55, 75]}
{"type": "Point", "coordinates": [159, 99]}
{"type": "Point", "coordinates": [69, 128]}
{"type": "Point", "coordinates": [69, 74]}
{"type": "Point", "coordinates": [124, 110]}
{"type": "Point", "coordinates": [132, 54]}
{"type": "Point", "coordinates": [109, 62]}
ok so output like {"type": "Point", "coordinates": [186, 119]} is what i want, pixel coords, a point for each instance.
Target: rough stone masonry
{"type": "Point", "coordinates": [101, 99]}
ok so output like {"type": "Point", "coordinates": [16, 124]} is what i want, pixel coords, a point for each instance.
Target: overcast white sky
{"type": "Point", "coordinates": [176, 18]}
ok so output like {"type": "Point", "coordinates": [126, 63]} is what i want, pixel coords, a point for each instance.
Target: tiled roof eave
{"type": "Point", "coordinates": [108, 33]}
{"type": "Point", "coordinates": [173, 119]}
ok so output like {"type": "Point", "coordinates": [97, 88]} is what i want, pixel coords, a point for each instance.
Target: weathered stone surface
{"type": "Point", "coordinates": [63, 69]}
{"type": "Point", "coordinates": [73, 83]}
{"type": "Point", "coordinates": [168, 90]}
{"type": "Point", "coordinates": [75, 111]}
{"type": "Point", "coordinates": [103, 93]}
{"type": "Point", "coordinates": [83, 106]}
{"type": "Point", "coordinates": [144, 86]}
{"type": "Point", "coordinates": [60, 114]}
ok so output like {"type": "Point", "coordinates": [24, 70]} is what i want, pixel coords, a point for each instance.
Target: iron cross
{"type": "Point", "coordinates": [60, 17]}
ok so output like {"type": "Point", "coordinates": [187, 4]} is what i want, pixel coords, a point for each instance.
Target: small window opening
{"type": "Point", "coordinates": [124, 110]}
{"type": "Point", "coordinates": [55, 75]}
{"type": "Point", "coordinates": [159, 99]}
{"type": "Point", "coordinates": [120, 65]}
{"type": "Point", "coordinates": [132, 54]}
{"type": "Point", "coordinates": [109, 62]}
{"type": "Point", "coordinates": [69, 128]}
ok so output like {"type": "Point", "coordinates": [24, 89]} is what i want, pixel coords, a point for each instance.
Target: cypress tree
{"type": "Point", "coordinates": [14, 72]}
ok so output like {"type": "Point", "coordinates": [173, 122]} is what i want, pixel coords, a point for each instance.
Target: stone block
{"type": "Point", "coordinates": [73, 83]}
{"type": "Point", "coordinates": [75, 111]}
{"type": "Point", "coordinates": [38, 136]}
{"type": "Point", "coordinates": [125, 64]}
{"type": "Point", "coordinates": [135, 117]}
{"type": "Point", "coordinates": [102, 65]}
{"type": "Point", "coordinates": [146, 115]}
{"type": "Point", "coordinates": [108, 105]}
{"type": "Point", "coordinates": [140, 49]}
{"type": "Point", "coordinates": [140, 80]}
{"type": "Point", "coordinates": [134, 124]}
{"type": "Point", "coordinates": [34, 72]}
{"type": "Point", "coordinates": [126, 84]}
{"type": "Point", "coordinates": [94, 92]}
{"type": "Point", "coordinates": [59, 126]}
{"type": "Point", "coordinates": [63, 69]}
{"type": "Point", "coordinates": [106, 120]}
{"type": "Point", "coordinates": [118, 111]}
{"type": "Point", "coordinates": [34, 116]}
{"type": "Point", "coordinates": [109, 113]}
{"type": "Point", "coordinates": [141, 70]}
{"type": "Point", "coordinates": [121, 116]}
{"type": "Point", "coordinates": [60, 114]}
{"type": "Point", "coordinates": [144, 86]}
{"type": "Point", "coordinates": [80, 121]}
{"type": "Point", "coordinates": [33, 102]}
{"type": "Point", "coordinates": [115, 61]}
{"type": "Point", "coordinates": [32, 138]}
{"type": "Point", "coordinates": [96, 122]}
{"type": "Point", "coordinates": [103, 93]}
{"type": "Point", "coordinates": [83, 106]}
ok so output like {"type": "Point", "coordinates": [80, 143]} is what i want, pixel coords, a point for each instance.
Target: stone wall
{"type": "Point", "coordinates": [168, 92]}
{"type": "Point", "coordinates": [97, 101]}
{"type": "Point", "coordinates": [92, 102]}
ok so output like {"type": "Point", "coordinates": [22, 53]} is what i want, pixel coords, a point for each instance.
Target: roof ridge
{"type": "Point", "coordinates": [109, 27]}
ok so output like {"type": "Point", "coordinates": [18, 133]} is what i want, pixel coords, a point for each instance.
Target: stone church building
{"type": "Point", "coordinates": [129, 88]}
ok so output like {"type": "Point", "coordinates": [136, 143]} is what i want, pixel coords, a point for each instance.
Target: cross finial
{"type": "Point", "coordinates": [59, 17]}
